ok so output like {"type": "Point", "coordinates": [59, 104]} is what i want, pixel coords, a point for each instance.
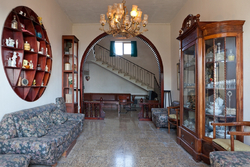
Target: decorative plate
{"type": "Point", "coordinates": [25, 82]}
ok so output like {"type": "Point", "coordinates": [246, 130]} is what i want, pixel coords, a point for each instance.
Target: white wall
{"type": "Point", "coordinates": [158, 34]}
{"type": "Point", "coordinates": [103, 81]}
{"type": "Point", "coordinates": [214, 10]}
{"type": "Point", "coordinates": [56, 24]}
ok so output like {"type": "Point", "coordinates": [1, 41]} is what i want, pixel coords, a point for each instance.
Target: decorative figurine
{"type": "Point", "coordinates": [25, 63]}
{"type": "Point", "coordinates": [40, 20]}
{"type": "Point", "coordinates": [31, 64]}
{"type": "Point", "coordinates": [14, 23]}
{"type": "Point", "coordinates": [42, 83]}
{"type": "Point", "coordinates": [10, 42]}
{"type": "Point", "coordinates": [21, 12]}
{"type": "Point", "coordinates": [46, 68]}
{"type": "Point", "coordinates": [13, 62]}
{"type": "Point", "coordinates": [34, 82]}
{"type": "Point", "coordinates": [9, 62]}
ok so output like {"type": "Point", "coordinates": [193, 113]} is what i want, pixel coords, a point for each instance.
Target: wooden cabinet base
{"type": "Point", "coordinates": [190, 150]}
{"type": "Point", "coordinates": [205, 159]}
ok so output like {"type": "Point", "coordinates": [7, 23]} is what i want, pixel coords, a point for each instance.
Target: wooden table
{"type": "Point", "coordinates": [146, 105]}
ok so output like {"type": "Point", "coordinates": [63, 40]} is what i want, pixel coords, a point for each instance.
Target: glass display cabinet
{"type": "Point", "coordinates": [211, 82]}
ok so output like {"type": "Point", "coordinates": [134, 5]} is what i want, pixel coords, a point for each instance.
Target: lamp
{"type": "Point", "coordinates": [120, 23]}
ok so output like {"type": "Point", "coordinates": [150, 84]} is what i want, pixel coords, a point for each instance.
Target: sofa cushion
{"type": "Point", "coordinates": [61, 104]}
{"type": "Point", "coordinates": [58, 117]}
{"type": "Point", "coordinates": [12, 160]}
{"type": "Point", "coordinates": [226, 144]}
{"type": "Point", "coordinates": [7, 128]}
{"type": "Point", "coordinates": [62, 132]}
{"type": "Point", "coordinates": [173, 116]}
{"type": "Point", "coordinates": [46, 119]}
{"type": "Point", "coordinates": [32, 127]}
{"type": "Point", "coordinates": [30, 113]}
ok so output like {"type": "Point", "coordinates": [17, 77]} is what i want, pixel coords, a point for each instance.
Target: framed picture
{"type": "Point", "coordinates": [178, 76]}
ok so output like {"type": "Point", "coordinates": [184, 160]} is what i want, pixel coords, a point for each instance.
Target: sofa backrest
{"type": "Point", "coordinates": [30, 113]}
{"type": "Point", "coordinates": [61, 104]}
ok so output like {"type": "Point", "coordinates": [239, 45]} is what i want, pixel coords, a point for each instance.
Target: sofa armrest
{"type": "Point", "coordinates": [43, 147]}
{"type": "Point", "coordinates": [75, 117]}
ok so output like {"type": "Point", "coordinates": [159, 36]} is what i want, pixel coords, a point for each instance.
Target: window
{"type": "Point", "coordinates": [122, 48]}
{"type": "Point", "coordinates": [119, 48]}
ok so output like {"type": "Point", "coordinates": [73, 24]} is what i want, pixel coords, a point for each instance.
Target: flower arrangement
{"type": "Point", "coordinates": [70, 80]}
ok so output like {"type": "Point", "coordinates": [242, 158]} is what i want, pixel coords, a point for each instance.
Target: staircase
{"type": "Point", "coordinates": [125, 69]}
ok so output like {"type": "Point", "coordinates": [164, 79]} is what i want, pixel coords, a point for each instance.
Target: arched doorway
{"type": "Point", "coordinates": [145, 40]}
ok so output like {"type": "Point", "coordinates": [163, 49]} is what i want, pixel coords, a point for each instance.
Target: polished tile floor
{"type": "Point", "coordinates": [123, 141]}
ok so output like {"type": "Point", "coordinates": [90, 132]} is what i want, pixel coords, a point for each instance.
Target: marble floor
{"type": "Point", "coordinates": [123, 141]}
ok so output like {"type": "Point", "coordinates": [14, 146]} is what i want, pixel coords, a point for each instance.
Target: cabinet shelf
{"type": "Point", "coordinates": [12, 29]}
{"type": "Point", "coordinates": [21, 35]}
{"type": "Point", "coordinates": [221, 116]}
{"type": "Point", "coordinates": [11, 48]}
{"type": "Point", "coordinates": [220, 89]}
{"type": "Point", "coordinates": [13, 67]}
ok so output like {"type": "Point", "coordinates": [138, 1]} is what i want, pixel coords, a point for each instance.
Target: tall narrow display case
{"type": "Point", "coordinates": [70, 72]}
{"type": "Point", "coordinates": [211, 84]}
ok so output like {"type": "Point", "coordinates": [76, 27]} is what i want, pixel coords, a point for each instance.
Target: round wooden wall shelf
{"type": "Point", "coordinates": [29, 61]}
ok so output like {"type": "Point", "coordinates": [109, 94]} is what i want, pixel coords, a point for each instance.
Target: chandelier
{"type": "Point", "coordinates": [120, 23]}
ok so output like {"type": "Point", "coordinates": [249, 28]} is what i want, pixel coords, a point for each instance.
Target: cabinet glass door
{"type": "Point", "coordinates": [220, 84]}
{"type": "Point", "coordinates": [189, 88]}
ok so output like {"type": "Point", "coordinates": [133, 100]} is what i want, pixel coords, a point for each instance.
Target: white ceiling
{"type": "Point", "coordinates": [88, 11]}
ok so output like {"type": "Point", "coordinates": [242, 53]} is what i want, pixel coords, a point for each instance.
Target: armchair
{"type": "Point", "coordinates": [173, 118]}
{"type": "Point", "coordinates": [231, 144]}
{"type": "Point", "coordinates": [230, 152]}
{"type": "Point", "coordinates": [160, 115]}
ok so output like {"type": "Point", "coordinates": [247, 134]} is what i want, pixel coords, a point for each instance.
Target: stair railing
{"type": "Point", "coordinates": [128, 68]}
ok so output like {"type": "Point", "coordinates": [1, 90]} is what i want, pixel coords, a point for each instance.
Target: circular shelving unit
{"type": "Point", "coordinates": [16, 69]}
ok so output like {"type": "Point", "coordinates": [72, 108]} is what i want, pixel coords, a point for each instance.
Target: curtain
{"type": "Point", "coordinates": [112, 49]}
{"type": "Point", "coordinates": [133, 49]}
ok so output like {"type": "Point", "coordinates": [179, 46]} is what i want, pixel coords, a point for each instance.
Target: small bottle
{"type": "Point", "coordinates": [26, 46]}
{"type": "Point", "coordinates": [31, 64]}
{"type": "Point", "coordinates": [14, 23]}
{"type": "Point", "coordinates": [230, 56]}
{"type": "Point", "coordinates": [17, 43]}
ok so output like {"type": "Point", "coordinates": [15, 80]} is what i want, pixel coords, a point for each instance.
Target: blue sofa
{"type": "Point", "coordinates": [229, 159]}
{"type": "Point", "coordinates": [45, 142]}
